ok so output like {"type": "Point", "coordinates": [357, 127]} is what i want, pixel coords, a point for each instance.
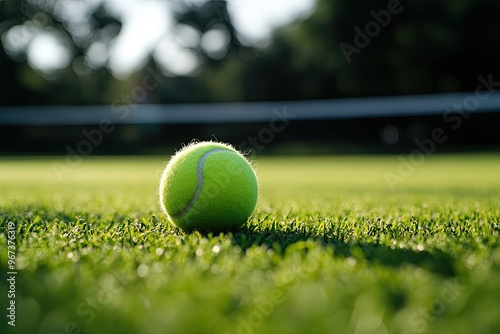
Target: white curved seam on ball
{"type": "Point", "coordinates": [199, 177]}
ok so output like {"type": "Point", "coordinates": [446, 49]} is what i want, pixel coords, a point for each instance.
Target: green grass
{"type": "Point", "coordinates": [330, 249]}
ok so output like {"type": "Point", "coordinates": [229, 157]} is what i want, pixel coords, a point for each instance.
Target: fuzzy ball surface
{"type": "Point", "coordinates": [208, 186]}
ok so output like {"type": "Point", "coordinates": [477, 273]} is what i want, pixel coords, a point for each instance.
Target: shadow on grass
{"type": "Point", "coordinates": [435, 260]}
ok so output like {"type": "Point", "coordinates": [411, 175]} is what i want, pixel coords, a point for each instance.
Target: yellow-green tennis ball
{"type": "Point", "coordinates": [208, 186]}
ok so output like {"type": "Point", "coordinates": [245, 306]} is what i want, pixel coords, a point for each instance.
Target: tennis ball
{"type": "Point", "coordinates": [208, 186]}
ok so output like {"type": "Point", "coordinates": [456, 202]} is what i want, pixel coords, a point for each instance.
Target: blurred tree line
{"type": "Point", "coordinates": [343, 49]}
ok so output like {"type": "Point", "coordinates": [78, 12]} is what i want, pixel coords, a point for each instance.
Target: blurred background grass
{"type": "Point", "coordinates": [317, 173]}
